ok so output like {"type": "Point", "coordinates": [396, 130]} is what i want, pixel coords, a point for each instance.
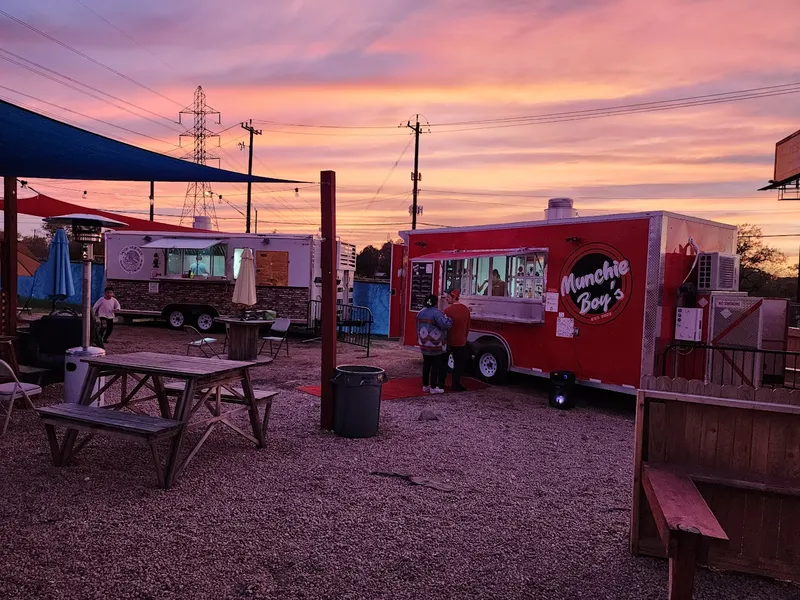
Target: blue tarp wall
{"type": "Point", "coordinates": [375, 296]}
{"type": "Point", "coordinates": [37, 284]}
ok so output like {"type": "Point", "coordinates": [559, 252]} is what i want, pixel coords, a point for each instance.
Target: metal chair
{"type": "Point", "coordinates": [200, 342]}
{"type": "Point", "coordinates": [14, 389]}
{"type": "Point", "coordinates": [227, 335]}
{"type": "Point", "coordinates": [277, 333]}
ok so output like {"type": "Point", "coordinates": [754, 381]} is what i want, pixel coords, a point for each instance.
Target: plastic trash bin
{"type": "Point", "coordinates": [357, 400]}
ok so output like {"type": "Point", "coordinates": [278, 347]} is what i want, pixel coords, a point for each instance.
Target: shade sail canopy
{"type": "Point", "coordinates": [44, 206]}
{"type": "Point", "coordinates": [32, 145]}
{"type": "Point", "coordinates": [460, 254]}
{"type": "Point", "coordinates": [182, 243]}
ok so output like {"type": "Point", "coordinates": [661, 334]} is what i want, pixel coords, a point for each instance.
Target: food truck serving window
{"type": "Point", "coordinates": [500, 275]}
{"type": "Point", "coordinates": [199, 262]}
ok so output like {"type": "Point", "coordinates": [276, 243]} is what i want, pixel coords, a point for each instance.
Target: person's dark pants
{"type": "Point", "coordinates": [106, 327]}
{"type": "Point", "coordinates": [460, 362]}
{"type": "Point", "coordinates": [433, 367]}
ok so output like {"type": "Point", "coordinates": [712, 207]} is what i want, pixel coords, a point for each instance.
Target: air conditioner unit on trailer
{"type": "Point", "coordinates": [717, 272]}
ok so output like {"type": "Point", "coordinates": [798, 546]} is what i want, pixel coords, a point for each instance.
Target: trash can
{"type": "Point", "coordinates": [357, 400]}
{"type": "Point", "coordinates": [561, 384]}
{"type": "Point", "coordinates": [75, 372]}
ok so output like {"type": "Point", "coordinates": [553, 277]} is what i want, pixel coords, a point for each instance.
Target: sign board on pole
{"type": "Point", "coordinates": [787, 158]}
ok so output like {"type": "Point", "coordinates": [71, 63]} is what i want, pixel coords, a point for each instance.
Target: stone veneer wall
{"type": "Point", "coordinates": [289, 302]}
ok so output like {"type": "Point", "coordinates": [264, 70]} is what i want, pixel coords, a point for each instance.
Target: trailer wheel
{"type": "Point", "coordinates": [491, 364]}
{"type": "Point", "coordinates": [176, 319]}
{"type": "Point", "coordinates": [205, 321]}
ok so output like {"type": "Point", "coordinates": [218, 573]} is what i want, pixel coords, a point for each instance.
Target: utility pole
{"type": "Point", "coordinates": [256, 220]}
{"type": "Point", "coordinates": [249, 127]}
{"type": "Point", "coordinates": [415, 176]}
{"type": "Point", "coordinates": [152, 199]}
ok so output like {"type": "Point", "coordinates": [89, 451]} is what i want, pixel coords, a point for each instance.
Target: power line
{"type": "Point", "coordinates": [15, 59]}
{"type": "Point", "coordinates": [280, 124]}
{"type": "Point", "coordinates": [87, 57]}
{"type": "Point", "coordinates": [613, 113]}
{"type": "Point", "coordinates": [75, 112]}
{"type": "Point", "coordinates": [625, 107]}
{"type": "Point", "coordinates": [102, 18]}
{"type": "Point", "coordinates": [567, 116]}
{"type": "Point", "coordinates": [394, 166]}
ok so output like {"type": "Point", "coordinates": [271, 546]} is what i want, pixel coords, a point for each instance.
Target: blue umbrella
{"type": "Point", "coordinates": [60, 284]}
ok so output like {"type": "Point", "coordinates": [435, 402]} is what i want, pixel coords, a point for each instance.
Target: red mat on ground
{"type": "Point", "coordinates": [407, 387]}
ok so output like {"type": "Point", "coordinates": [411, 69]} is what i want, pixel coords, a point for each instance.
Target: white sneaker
{"type": "Point", "coordinates": [426, 388]}
{"type": "Point", "coordinates": [437, 390]}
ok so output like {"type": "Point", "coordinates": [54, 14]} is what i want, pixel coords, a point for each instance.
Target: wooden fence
{"type": "Point", "coordinates": [699, 388]}
{"type": "Point", "coordinates": [742, 451]}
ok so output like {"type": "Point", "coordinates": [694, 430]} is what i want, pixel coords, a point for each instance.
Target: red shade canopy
{"type": "Point", "coordinates": [45, 206]}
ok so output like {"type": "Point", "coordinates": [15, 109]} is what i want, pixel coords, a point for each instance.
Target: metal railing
{"type": "Point", "coordinates": [731, 365]}
{"type": "Point", "coordinates": [353, 323]}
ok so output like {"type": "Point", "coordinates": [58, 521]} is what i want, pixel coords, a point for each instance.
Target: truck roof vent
{"type": "Point", "coordinates": [560, 208]}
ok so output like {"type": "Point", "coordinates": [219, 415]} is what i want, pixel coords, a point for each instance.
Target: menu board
{"type": "Point", "coordinates": [272, 268]}
{"type": "Point", "coordinates": [421, 284]}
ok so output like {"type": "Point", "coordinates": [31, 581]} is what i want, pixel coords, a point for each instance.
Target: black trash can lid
{"type": "Point", "coordinates": [359, 370]}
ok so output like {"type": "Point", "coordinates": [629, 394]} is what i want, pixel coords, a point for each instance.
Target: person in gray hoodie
{"type": "Point", "coordinates": [432, 326]}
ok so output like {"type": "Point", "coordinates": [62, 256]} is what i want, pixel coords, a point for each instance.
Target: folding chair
{"type": "Point", "coordinates": [277, 334]}
{"type": "Point", "coordinates": [200, 342]}
{"type": "Point", "coordinates": [14, 389]}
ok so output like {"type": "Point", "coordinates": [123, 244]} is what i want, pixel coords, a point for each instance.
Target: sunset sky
{"type": "Point", "coordinates": [368, 66]}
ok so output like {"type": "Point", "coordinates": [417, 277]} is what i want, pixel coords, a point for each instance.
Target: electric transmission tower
{"type": "Point", "coordinates": [199, 200]}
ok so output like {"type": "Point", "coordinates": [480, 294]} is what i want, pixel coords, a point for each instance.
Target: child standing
{"type": "Point", "coordinates": [105, 308]}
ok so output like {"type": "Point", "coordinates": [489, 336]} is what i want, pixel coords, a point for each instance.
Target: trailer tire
{"type": "Point", "coordinates": [176, 319]}
{"type": "Point", "coordinates": [205, 321]}
{"type": "Point", "coordinates": [491, 363]}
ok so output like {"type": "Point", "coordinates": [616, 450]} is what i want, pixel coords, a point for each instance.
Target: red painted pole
{"type": "Point", "coordinates": [328, 314]}
{"type": "Point", "coordinates": [8, 255]}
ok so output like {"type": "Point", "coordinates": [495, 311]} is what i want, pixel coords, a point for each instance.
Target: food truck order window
{"type": "Point", "coordinates": [518, 276]}
{"type": "Point", "coordinates": [203, 262]}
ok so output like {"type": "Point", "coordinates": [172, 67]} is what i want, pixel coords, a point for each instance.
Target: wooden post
{"type": "Point", "coordinates": [328, 313]}
{"type": "Point", "coordinates": [8, 255]}
{"type": "Point", "coordinates": [682, 559]}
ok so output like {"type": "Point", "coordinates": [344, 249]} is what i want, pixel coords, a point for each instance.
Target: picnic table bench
{"type": "Point", "coordinates": [89, 418]}
{"type": "Point", "coordinates": [202, 378]}
{"type": "Point", "coordinates": [716, 482]}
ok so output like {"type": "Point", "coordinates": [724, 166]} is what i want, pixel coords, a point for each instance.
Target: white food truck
{"type": "Point", "coordinates": [188, 278]}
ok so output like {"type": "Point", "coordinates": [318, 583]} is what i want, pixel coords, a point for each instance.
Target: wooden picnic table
{"type": "Point", "coordinates": [203, 378]}
{"type": "Point", "coordinates": [243, 336]}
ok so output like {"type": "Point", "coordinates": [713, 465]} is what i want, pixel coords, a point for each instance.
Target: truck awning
{"type": "Point", "coordinates": [182, 243]}
{"type": "Point", "coordinates": [459, 254]}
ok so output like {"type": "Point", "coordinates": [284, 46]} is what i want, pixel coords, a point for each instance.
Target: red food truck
{"type": "Point", "coordinates": [596, 296]}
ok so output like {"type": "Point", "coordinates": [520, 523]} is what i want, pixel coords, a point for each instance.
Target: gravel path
{"type": "Point", "coordinates": [540, 507]}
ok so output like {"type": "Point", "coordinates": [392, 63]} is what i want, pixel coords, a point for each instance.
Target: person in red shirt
{"type": "Point", "coordinates": [457, 336]}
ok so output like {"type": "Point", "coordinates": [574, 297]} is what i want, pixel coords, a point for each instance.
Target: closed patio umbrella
{"type": "Point", "coordinates": [244, 292]}
{"type": "Point", "coordinates": [60, 285]}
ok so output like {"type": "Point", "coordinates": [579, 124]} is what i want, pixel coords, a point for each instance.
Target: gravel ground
{"type": "Point", "coordinates": [540, 507]}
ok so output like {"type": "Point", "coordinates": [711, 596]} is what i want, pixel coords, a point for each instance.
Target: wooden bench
{"type": "Point", "coordinates": [122, 424]}
{"type": "Point", "coordinates": [234, 393]}
{"type": "Point", "coordinates": [685, 524]}
{"type": "Point", "coordinates": [716, 483]}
